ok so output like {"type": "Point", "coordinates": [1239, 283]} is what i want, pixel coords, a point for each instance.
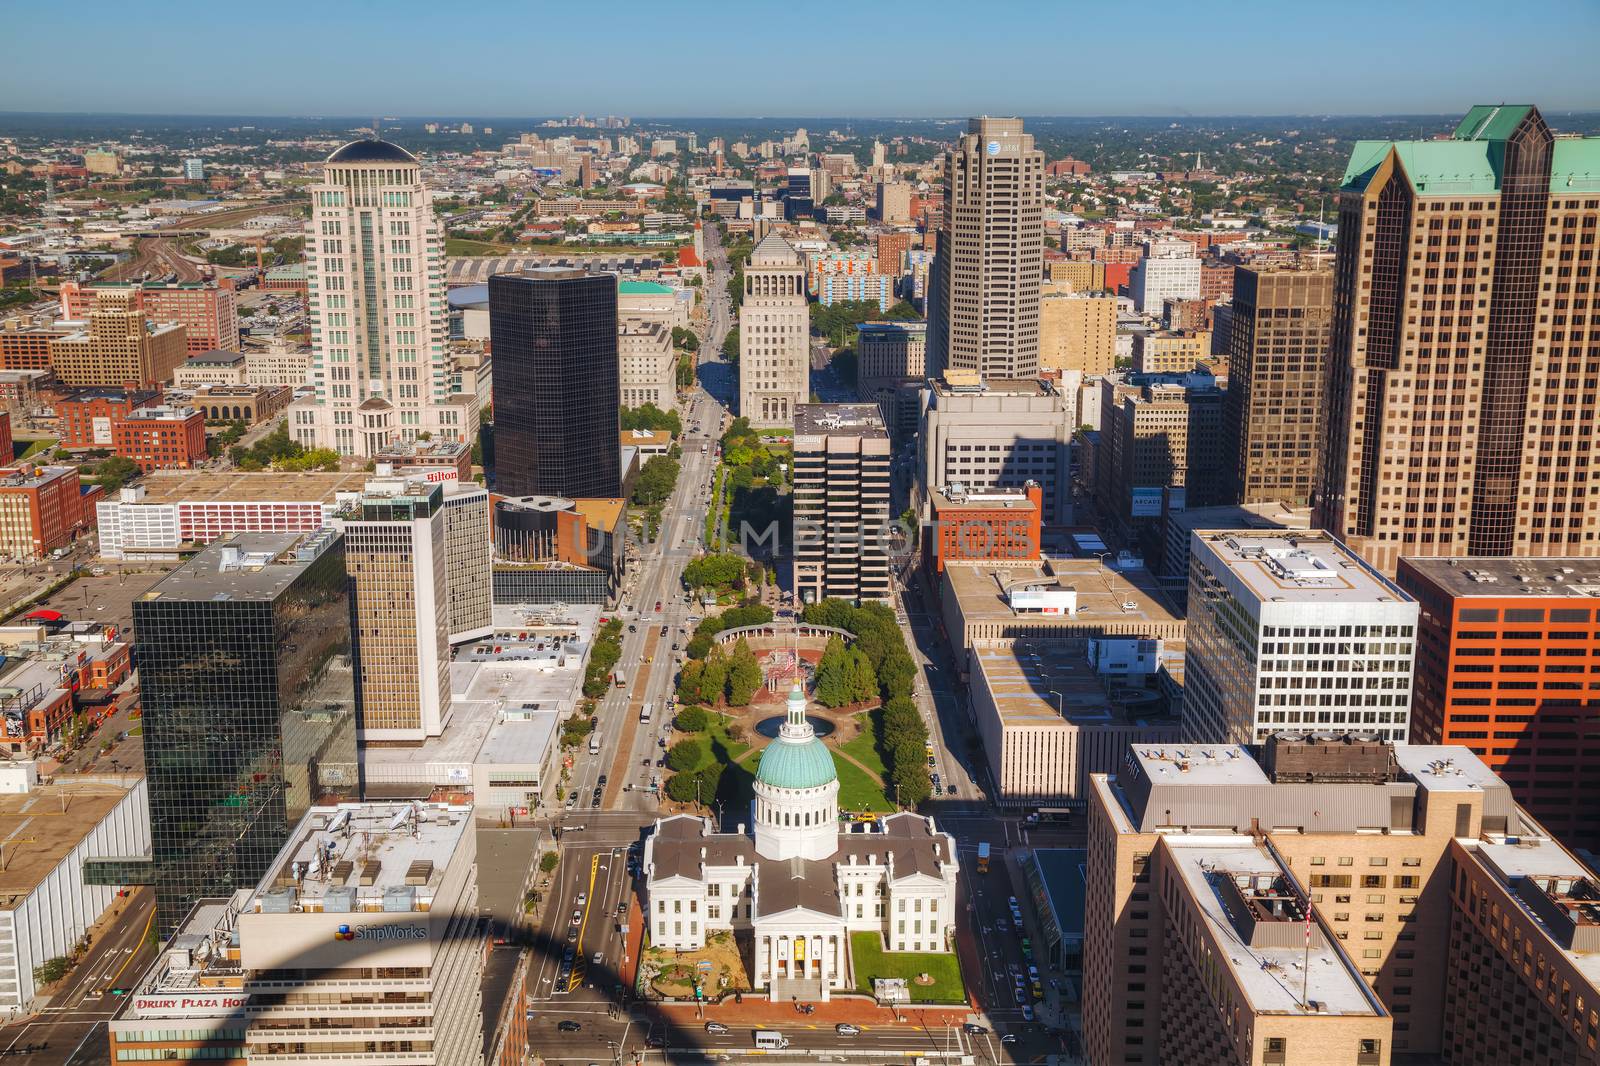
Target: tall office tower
{"type": "Point", "coordinates": [841, 502]}
{"type": "Point", "coordinates": [249, 705]}
{"type": "Point", "coordinates": [774, 334]}
{"type": "Point", "coordinates": [1161, 448]}
{"type": "Point", "coordinates": [468, 555]}
{"type": "Point", "coordinates": [1500, 669]}
{"type": "Point", "coordinates": [556, 383]}
{"type": "Point", "coordinates": [1077, 331]}
{"type": "Point", "coordinates": [1277, 363]}
{"type": "Point", "coordinates": [1289, 629]}
{"type": "Point", "coordinates": [997, 434]}
{"type": "Point", "coordinates": [394, 535]}
{"type": "Point", "coordinates": [1460, 418]}
{"type": "Point", "coordinates": [379, 321]}
{"type": "Point", "coordinates": [1431, 894]}
{"type": "Point", "coordinates": [985, 308]}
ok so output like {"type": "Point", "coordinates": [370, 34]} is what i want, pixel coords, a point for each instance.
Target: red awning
{"type": "Point", "coordinates": [43, 615]}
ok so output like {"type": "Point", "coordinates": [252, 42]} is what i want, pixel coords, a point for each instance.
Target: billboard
{"type": "Point", "coordinates": [1146, 503]}
{"type": "Point", "coordinates": [1044, 600]}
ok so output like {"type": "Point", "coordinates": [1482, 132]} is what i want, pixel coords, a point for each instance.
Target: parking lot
{"type": "Point", "coordinates": [107, 598]}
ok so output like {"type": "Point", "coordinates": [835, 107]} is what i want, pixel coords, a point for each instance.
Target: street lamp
{"type": "Point", "coordinates": [1111, 584]}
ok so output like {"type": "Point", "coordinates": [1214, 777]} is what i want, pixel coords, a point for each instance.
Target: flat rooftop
{"type": "Point", "coordinates": [372, 855]}
{"type": "Point", "coordinates": [957, 382]}
{"type": "Point", "coordinates": [41, 828]}
{"type": "Point", "coordinates": [1199, 764]}
{"type": "Point", "coordinates": [842, 419]}
{"type": "Point", "coordinates": [22, 475]}
{"type": "Point", "coordinates": [1274, 978]}
{"type": "Point", "coordinates": [439, 448]}
{"type": "Point", "coordinates": [245, 566]}
{"type": "Point", "coordinates": [215, 357]}
{"type": "Point", "coordinates": [236, 487]}
{"type": "Point", "coordinates": [1540, 858]}
{"type": "Point", "coordinates": [600, 513]}
{"type": "Point", "coordinates": [1474, 576]}
{"type": "Point", "coordinates": [1445, 768]}
{"type": "Point", "coordinates": [1065, 874]}
{"type": "Point", "coordinates": [953, 498]}
{"type": "Point", "coordinates": [1102, 592]}
{"type": "Point", "coordinates": [1298, 567]}
{"type": "Point", "coordinates": [1043, 683]}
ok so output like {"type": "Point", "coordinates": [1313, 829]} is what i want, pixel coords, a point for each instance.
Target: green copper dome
{"type": "Point", "coordinates": [796, 764]}
{"type": "Point", "coordinates": [797, 759]}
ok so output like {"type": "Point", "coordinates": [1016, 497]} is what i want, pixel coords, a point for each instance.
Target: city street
{"type": "Point", "coordinates": [71, 1030]}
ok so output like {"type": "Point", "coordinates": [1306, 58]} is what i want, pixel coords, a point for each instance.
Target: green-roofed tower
{"type": "Point", "coordinates": [1461, 386]}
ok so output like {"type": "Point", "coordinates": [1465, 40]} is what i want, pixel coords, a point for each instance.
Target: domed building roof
{"type": "Point", "coordinates": [370, 151]}
{"type": "Point", "coordinates": [791, 764]}
{"type": "Point", "coordinates": [797, 759]}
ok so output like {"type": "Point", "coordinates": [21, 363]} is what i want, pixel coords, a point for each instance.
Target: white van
{"type": "Point", "coordinates": [771, 1040]}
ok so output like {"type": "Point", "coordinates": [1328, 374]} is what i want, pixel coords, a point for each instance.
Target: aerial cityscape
{"type": "Point", "coordinates": [492, 573]}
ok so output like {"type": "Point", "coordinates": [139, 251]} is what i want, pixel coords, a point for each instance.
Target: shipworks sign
{"type": "Point", "coordinates": [312, 940]}
{"type": "Point", "coordinates": [381, 932]}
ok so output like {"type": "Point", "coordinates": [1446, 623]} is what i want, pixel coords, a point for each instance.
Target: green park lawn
{"type": "Point", "coordinates": [866, 950]}
{"type": "Point", "coordinates": [864, 748]}
{"type": "Point", "coordinates": [464, 246]}
{"type": "Point", "coordinates": [857, 790]}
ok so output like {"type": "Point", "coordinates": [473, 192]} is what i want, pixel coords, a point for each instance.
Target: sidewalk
{"type": "Point", "coordinates": [757, 1011]}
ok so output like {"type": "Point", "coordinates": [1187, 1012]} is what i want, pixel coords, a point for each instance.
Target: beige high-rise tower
{"type": "Point", "coordinates": [1460, 407]}
{"type": "Point", "coordinates": [984, 296]}
{"type": "Point", "coordinates": [375, 263]}
{"type": "Point", "coordinates": [774, 327]}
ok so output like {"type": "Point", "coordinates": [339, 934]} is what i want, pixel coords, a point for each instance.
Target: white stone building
{"type": "Point", "coordinates": [648, 365]}
{"type": "Point", "coordinates": [802, 883]}
{"type": "Point", "coordinates": [379, 320]}
{"type": "Point", "coordinates": [774, 334]}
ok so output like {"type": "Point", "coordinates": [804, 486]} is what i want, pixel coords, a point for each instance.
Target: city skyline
{"type": "Point", "coordinates": [1338, 68]}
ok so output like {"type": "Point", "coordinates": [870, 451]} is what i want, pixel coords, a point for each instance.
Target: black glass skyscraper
{"type": "Point", "coordinates": [249, 707]}
{"type": "Point", "coordinates": [556, 379]}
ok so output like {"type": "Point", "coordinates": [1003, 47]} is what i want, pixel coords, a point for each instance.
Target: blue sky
{"type": "Point", "coordinates": [762, 58]}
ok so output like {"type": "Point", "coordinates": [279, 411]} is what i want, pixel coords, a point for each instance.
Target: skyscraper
{"type": "Point", "coordinates": [249, 708]}
{"type": "Point", "coordinates": [985, 307]}
{"type": "Point", "coordinates": [379, 323]}
{"type": "Point", "coordinates": [1460, 398]}
{"type": "Point", "coordinates": [394, 536]}
{"type": "Point", "coordinates": [1277, 361]}
{"type": "Point", "coordinates": [774, 334]}
{"type": "Point", "coordinates": [556, 383]}
{"type": "Point", "coordinates": [841, 502]}
{"type": "Point", "coordinates": [1250, 591]}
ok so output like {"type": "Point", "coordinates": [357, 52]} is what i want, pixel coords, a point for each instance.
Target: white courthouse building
{"type": "Point", "coordinates": [801, 883]}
